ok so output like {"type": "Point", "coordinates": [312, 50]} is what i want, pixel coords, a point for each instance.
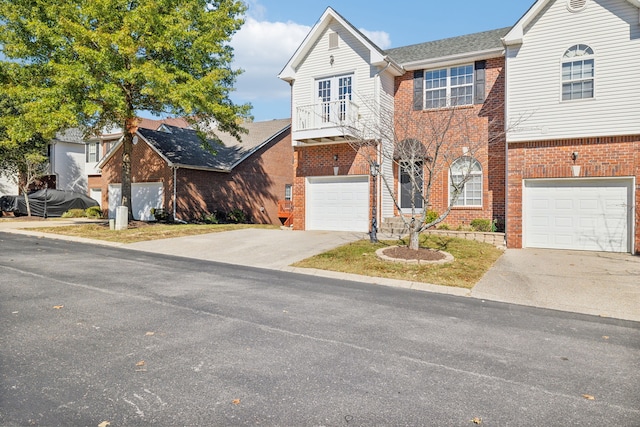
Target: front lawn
{"type": "Point", "coordinates": [472, 260]}
{"type": "Point", "coordinates": [141, 231]}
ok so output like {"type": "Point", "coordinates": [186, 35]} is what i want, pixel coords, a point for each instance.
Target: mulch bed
{"type": "Point", "coordinates": [422, 254]}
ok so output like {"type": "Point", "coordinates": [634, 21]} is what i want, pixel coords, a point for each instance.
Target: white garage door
{"type": "Point", "coordinates": [587, 214]}
{"type": "Point", "coordinates": [144, 196]}
{"type": "Point", "coordinates": [338, 203]}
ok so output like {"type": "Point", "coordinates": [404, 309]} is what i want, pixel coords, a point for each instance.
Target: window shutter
{"type": "Point", "coordinates": [87, 152]}
{"type": "Point", "coordinates": [418, 89]}
{"type": "Point", "coordinates": [479, 82]}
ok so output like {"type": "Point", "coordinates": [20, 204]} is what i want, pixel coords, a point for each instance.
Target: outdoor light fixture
{"type": "Point", "coordinates": [335, 157]}
{"type": "Point", "coordinates": [331, 60]}
{"type": "Point", "coordinates": [575, 169]}
{"type": "Point", "coordinates": [574, 156]}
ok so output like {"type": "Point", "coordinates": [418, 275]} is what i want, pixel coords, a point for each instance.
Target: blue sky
{"type": "Point", "coordinates": [275, 28]}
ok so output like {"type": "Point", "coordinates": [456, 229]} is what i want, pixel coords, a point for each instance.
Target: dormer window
{"type": "Point", "coordinates": [164, 128]}
{"type": "Point", "coordinates": [578, 73]}
{"type": "Point", "coordinates": [333, 40]}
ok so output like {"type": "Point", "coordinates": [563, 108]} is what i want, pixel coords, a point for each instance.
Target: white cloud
{"type": "Point", "coordinates": [380, 38]}
{"type": "Point", "coordinates": [262, 49]}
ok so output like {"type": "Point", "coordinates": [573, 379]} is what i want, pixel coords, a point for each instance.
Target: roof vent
{"type": "Point", "coordinates": [333, 40]}
{"type": "Point", "coordinates": [576, 5]}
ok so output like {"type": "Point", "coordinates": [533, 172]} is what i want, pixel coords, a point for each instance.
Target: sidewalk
{"type": "Point", "coordinates": [595, 283]}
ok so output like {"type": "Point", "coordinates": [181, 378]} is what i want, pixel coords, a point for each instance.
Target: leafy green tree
{"type": "Point", "coordinates": [96, 63]}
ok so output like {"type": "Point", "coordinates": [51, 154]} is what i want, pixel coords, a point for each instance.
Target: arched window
{"type": "Point", "coordinates": [577, 73]}
{"type": "Point", "coordinates": [465, 182]}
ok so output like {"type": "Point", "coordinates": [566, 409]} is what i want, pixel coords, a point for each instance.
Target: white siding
{"type": "Point", "coordinates": [611, 29]}
{"type": "Point", "coordinates": [68, 164]}
{"type": "Point", "coordinates": [8, 186]}
{"type": "Point", "coordinates": [351, 57]}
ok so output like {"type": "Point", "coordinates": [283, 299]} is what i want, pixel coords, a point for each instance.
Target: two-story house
{"type": "Point", "coordinates": [553, 107]}
{"type": "Point", "coordinates": [345, 88]}
{"type": "Point", "coordinates": [574, 162]}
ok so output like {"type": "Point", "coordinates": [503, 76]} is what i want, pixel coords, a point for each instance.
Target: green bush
{"type": "Point", "coordinates": [75, 213]}
{"type": "Point", "coordinates": [210, 218]}
{"type": "Point", "coordinates": [444, 226]}
{"type": "Point", "coordinates": [93, 212]}
{"type": "Point", "coordinates": [431, 216]}
{"type": "Point", "coordinates": [482, 224]}
{"type": "Point", "coordinates": [237, 216]}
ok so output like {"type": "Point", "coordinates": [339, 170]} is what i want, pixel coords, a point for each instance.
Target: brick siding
{"type": "Point", "coordinates": [598, 157]}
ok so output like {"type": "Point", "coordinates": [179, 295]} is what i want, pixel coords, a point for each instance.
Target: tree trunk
{"type": "Point", "coordinates": [127, 149]}
{"type": "Point", "coordinates": [26, 202]}
{"type": "Point", "coordinates": [414, 238]}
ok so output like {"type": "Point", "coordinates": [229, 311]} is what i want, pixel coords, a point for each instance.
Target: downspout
{"type": "Point", "coordinates": [506, 149]}
{"type": "Point", "coordinates": [377, 91]}
{"type": "Point", "coordinates": [175, 184]}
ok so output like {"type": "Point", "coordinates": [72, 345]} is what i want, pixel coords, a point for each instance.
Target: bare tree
{"type": "Point", "coordinates": [424, 145]}
{"type": "Point", "coordinates": [25, 165]}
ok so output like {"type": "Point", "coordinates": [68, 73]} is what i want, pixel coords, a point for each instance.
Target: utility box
{"type": "Point", "coordinates": [122, 218]}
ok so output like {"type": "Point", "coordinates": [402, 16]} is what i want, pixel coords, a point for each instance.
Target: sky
{"type": "Point", "coordinates": [274, 29]}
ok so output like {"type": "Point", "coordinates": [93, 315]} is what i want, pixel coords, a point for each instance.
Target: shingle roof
{"type": "Point", "coordinates": [183, 146]}
{"type": "Point", "coordinates": [468, 43]}
{"type": "Point", "coordinates": [73, 135]}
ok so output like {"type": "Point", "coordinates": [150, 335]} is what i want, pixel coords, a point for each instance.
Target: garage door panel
{"type": "Point", "coordinates": [582, 214]}
{"type": "Point", "coordinates": [144, 197]}
{"type": "Point", "coordinates": [338, 203]}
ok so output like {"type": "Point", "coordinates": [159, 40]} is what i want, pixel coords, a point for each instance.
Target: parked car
{"type": "Point", "coordinates": [53, 202]}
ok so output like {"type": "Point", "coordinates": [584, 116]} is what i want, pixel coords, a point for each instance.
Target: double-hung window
{"type": "Point", "coordinates": [465, 185]}
{"type": "Point", "coordinates": [93, 152]}
{"type": "Point", "coordinates": [578, 73]}
{"type": "Point", "coordinates": [449, 87]}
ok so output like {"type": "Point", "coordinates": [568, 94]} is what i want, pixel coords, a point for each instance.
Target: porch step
{"type": "Point", "coordinates": [393, 226]}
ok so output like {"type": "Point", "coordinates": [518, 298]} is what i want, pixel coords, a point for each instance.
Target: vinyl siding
{"type": "Point", "coordinates": [350, 57]}
{"type": "Point", "coordinates": [611, 29]}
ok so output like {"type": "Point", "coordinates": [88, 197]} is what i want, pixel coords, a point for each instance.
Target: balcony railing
{"type": "Point", "coordinates": [334, 114]}
{"type": "Point", "coordinates": [285, 212]}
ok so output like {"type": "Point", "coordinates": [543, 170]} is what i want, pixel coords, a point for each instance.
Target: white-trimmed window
{"type": "Point", "coordinates": [93, 152]}
{"type": "Point", "coordinates": [288, 192]}
{"type": "Point", "coordinates": [578, 73]}
{"type": "Point", "coordinates": [465, 182]}
{"type": "Point", "coordinates": [334, 96]}
{"type": "Point", "coordinates": [449, 87]}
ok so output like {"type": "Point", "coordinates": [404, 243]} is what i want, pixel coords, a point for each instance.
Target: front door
{"type": "Point", "coordinates": [334, 96]}
{"type": "Point", "coordinates": [411, 188]}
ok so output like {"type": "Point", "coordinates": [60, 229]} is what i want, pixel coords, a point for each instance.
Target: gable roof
{"type": "Point", "coordinates": [154, 124]}
{"type": "Point", "coordinates": [377, 55]}
{"type": "Point", "coordinates": [516, 35]}
{"type": "Point", "coordinates": [72, 135]}
{"type": "Point", "coordinates": [481, 45]}
{"type": "Point", "coordinates": [181, 147]}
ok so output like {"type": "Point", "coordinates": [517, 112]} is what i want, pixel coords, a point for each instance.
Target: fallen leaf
{"type": "Point", "coordinates": [104, 424]}
{"type": "Point", "coordinates": [604, 337]}
{"type": "Point", "coordinates": [477, 420]}
{"type": "Point", "coordinates": [150, 334]}
{"type": "Point", "coordinates": [140, 363]}
{"type": "Point", "coordinates": [588, 397]}
{"type": "Point", "coordinates": [236, 401]}
{"type": "Point", "coordinates": [58, 307]}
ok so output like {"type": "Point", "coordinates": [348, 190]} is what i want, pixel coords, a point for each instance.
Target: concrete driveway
{"type": "Point", "coordinates": [274, 249]}
{"type": "Point", "coordinates": [599, 283]}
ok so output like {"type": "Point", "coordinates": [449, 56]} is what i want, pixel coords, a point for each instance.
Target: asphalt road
{"type": "Point", "coordinates": [90, 334]}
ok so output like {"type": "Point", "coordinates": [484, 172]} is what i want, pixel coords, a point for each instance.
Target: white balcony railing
{"type": "Point", "coordinates": [334, 114]}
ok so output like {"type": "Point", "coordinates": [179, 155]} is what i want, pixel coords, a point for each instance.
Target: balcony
{"type": "Point", "coordinates": [325, 122]}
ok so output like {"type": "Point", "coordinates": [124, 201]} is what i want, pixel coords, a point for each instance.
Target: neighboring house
{"type": "Point", "coordinates": [173, 171]}
{"type": "Point", "coordinates": [99, 146]}
{"type": "Point", "coordinates": [66, 153]}
{"type": "Point", "coordinates": [337, 74]}
{"type": "Point", "coordinates": [572, 69]}
{"type": "Point", "coordinates": [565, 77]}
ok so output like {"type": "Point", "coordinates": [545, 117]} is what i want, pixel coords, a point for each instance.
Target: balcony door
{"type": "Point", "coordinates": [334, 96]}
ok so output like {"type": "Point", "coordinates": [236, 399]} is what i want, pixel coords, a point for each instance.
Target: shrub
{"type": "Point", "coordinates": [93, 212]}
{"type": "Point", "coordinates": [482, 224]}
{"type": "Point", "coordinates": [431, 216]}
{"type": "Point", "coordinates": [210, 218]}
{"type": "Point", "coordinates": [74, 213]}
{"type": "Point", "coordinates": [444, 226]}
{"type": "Point", "coordinates": [237, 216]}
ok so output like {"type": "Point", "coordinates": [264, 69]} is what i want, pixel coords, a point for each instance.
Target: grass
{"type": "Point", "coordinates": [143, 231]}
{"type": "Point", "coordinates": [472, 260]}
